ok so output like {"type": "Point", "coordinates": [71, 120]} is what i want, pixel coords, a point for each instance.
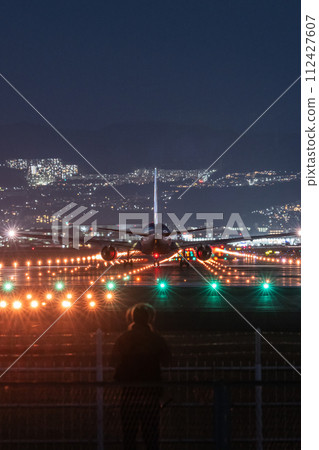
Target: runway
{"type": "Point", "coordinates": [231, 272]}
{"type": "Point", "coordinates": [182, 296]}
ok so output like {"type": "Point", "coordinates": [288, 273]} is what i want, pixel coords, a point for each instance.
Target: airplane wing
{"type": "Point", "coordinates": [129, 231]}
{"type": "Point", "coordinates": [47, 236]}
{"type": "Point", "coordinates": [217, 242]}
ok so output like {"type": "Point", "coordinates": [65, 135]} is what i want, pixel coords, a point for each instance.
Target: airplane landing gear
{"type": "Point", "coordinates": [183, 261]}
{"type": "Point", "coordinates": [128, 261]}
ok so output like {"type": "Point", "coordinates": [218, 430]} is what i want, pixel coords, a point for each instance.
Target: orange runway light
{"type": "Point", "coordinates": [66, 304]}
{"type": "Point", "coordinates": [16, 304]}
{"type": "Point", "coordinates": [3, 304]}
{"type": "Point", "coordinates": [34, 304]}
{"type": "Point", "coordinates": [92, 304]}
{"type": "Point", "coordinates": [48, 296]}
{"type": "Point", "coordinates": [29, 296]}
{"type": "Point", "coordinates": [89, 295]}
{"type": "Point", "coordinates": [109, 296]}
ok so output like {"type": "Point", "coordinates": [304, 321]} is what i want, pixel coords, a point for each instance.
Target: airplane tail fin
{"type": "Point", "coordinates": [155, 199]}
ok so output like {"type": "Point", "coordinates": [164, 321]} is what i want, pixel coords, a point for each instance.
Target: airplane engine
{"type": "Point", "coordinates": [108, 253]}
{"type": "Point", "coordinates": [204, 253]}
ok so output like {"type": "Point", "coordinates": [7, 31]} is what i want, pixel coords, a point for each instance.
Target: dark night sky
{"type": "Point", "coordinates": [89, 64]}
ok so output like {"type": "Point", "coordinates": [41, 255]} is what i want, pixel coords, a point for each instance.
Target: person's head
{"type": "Point", "coordinates": [142, 314]}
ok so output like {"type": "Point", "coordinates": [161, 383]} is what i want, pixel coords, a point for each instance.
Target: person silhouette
{"type": "Point", "coordinates": [137, 356]}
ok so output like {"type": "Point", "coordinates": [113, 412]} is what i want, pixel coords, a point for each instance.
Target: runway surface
{"type": "Point", "coordinates": [232, 272]}
{"type": "Point", "coordinates": [269, 292]}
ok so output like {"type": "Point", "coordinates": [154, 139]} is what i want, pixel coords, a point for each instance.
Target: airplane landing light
{"type": "Point", "coordinates": [12, 233]}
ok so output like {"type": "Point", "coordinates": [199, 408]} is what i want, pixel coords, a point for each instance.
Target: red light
{"type": "Point", "coordinates": [156, 255]}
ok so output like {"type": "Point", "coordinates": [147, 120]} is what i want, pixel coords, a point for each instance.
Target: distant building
{"type": "Point", "coordinates": [43, 171]}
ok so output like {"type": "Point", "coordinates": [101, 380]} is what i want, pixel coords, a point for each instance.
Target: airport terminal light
{"type": "Point", "coordinates": [7, 286]}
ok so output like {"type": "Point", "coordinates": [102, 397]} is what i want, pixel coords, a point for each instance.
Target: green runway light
{"type": "Point", "coordinates": [162, 284]}
{"type": "Point", "coordinates": [266, 285]}
{"type": "Point", "coordinates": [110, 285]}
{"type": "Point", "coordinates": [8, 286]}
{"type": "Point", "coordinates": [59, 285]}
{"type": "Point", "coordinates": [214, 285]}
{"type": "Point", "coordinates": [127, 277]}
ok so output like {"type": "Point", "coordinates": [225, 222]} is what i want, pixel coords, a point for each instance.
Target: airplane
{"type": "Point", "coordinates": [152, 243]}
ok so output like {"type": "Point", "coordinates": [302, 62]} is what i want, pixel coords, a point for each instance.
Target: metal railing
{"type": "Point", "coordinates": [195, 415]}
{"type": "Point", "coordinates": [254, 406]}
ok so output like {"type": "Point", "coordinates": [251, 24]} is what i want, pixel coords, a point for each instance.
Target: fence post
{"type": "Point", "coordinates": [99, 390]}
{"type": "Point", "coordinates": [258, 392]}
{"type": "Point", "coordinates": [221, 417]}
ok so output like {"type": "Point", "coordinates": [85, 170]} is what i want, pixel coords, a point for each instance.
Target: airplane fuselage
{"type": "Point", "coordinates": [150, 245]}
